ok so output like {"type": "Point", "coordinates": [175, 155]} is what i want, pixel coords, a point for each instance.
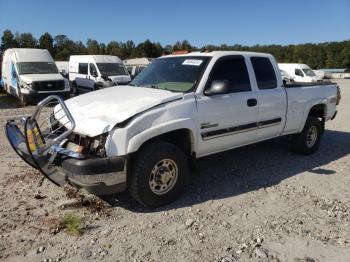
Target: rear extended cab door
{"type": "Point", "coordinates": [226, 120]}
{"type": "Point", "coordinates": [271, 95]}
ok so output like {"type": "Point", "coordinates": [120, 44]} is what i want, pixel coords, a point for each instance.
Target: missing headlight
{"type": "Point", "coordinates": [90, 146]}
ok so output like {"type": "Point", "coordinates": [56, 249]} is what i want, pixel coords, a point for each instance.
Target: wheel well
{"type": "Point", "coordinates": [182, 138]}
{"type": "Point", "coordinates": [318, 111]}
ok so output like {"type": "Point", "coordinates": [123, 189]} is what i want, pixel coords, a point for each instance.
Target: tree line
{"type": "Point", "coordinates": [322, 55]}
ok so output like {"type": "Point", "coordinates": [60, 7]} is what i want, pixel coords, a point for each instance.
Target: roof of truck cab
{"type": "Point", "coordinates": [219, 54]}
{"type": "Point", "coordinates": [32, 55]}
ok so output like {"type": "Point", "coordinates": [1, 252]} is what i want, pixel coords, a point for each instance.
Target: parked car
{"type": "Point", "coordinates": [93, 72]}
{"type": "Point", "coordinates": [286, 78]}
{"type": "Point", "coordinates": [31, 74]}
{"type": "Point", "coordinates": [300, 72]}
{"type": "Point", "coordinates": [147, 136]}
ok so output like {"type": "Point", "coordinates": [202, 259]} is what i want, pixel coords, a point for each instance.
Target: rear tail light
{"type": "Point", "coordinates": [338, 95]}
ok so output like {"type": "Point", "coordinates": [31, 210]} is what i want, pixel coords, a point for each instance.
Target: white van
{"type": "Point", "coordinates": [92, 72]}
{"type": "Point", "coordinates": [300, 72]}
{"type": "Point", "coordinates": [31, 74]}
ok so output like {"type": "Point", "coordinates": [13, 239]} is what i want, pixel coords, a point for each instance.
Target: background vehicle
{"type": "Point", "coordinates": [300, 72]}
{"type": "Point", "coordinates": [136, 65]}
{"type": "Point", "coordinates": [146, 137]}
{"type": "Point", "coordinates": [286, 77]}
{"type": "Point", "coordinates": [63, 68]}
{"type": "Point", "coordinates": [92, 72]}
{"type": "Point", "coordinates": [31, 74]}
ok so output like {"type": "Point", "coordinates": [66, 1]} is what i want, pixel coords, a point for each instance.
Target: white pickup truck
{"type": "Point", "coordinates": [146, 137]}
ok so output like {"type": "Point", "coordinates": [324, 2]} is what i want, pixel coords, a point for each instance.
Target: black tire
{"type": "Point", "coordinates": [23, 99]}
{"type": "Point", "coordinates": [301, 144]}
{"type": "Point", "coordinates": [74, 88]}
{"type": "Point", "coordinates": [145, 161]}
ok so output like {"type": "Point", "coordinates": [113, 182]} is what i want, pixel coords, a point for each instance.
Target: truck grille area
{"type": "Point", "coordinates": [48, 85]}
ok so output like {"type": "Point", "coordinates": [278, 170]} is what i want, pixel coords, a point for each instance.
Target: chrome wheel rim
{"type": "Point", "coordinates": [311, 136]}
{"type": "Point", "coordinates": [163, 176]}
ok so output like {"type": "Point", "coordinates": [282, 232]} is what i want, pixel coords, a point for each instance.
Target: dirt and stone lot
{"type": "Point", "coordinates": [257, 203]}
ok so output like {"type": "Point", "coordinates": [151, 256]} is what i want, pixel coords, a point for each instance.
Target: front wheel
{"type": "Point", "coordinates": [23, 99]}
{"type": "Point", "coordinates": [307, 142]}
{"type": "Point", "coordinates": [159, 174]}
{"type": "Point", "coordinates": [74, 88]}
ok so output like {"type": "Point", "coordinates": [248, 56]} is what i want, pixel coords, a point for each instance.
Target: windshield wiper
{"type": "Point", "coordinates": [155, 87]}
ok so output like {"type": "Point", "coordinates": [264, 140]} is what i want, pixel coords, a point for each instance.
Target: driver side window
{"type": "Point", "coordinates": [234, 71]}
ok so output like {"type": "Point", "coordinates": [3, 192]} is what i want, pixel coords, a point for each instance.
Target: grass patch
{"type": "Point", "coordinates": [73, 224]}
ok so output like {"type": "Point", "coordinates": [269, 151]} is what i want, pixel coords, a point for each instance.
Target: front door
{"type": "Point", "coordinates": [227, 120]}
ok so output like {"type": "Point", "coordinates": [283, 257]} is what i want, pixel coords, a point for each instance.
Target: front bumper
{"type": "Point", "coordinates": [100, 176]}
{"type": "Point", "coordinates": [37, 96]}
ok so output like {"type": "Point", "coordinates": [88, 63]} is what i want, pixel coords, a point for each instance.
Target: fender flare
{"type": "Point", "coordinates": [138, 140]}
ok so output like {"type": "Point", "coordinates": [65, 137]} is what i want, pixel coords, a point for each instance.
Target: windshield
{"type": "Point", "coordinates": [112, 69]}
{"type": "Point", "coordinates": [177, 74]}
{"type": "Point", "coordinates": [25, 68]}
{"type": "Point", "coordinates": [309, 72]}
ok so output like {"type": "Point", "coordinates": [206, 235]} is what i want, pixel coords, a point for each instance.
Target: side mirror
{"type": "Point", "coordinates": [94, 74]}
{"type": "Point", "coordinates": [104, 77]}
{"type": "Point", "coordinates": [218, 87]}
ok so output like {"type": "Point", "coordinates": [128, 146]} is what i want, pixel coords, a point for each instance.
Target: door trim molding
{"type": "Point", "coordinates": [240, 129]}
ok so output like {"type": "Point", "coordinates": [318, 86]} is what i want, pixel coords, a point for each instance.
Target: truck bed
{"type": "Point", "coordinates": [302, 97]}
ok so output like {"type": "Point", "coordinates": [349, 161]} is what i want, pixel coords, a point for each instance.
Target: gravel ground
{"type": "Point", "coordinates": [257, 203]}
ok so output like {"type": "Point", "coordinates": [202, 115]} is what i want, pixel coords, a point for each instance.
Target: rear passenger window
{"type": "Point", "coordinates": [235, 71]}
{"type": "Point", "coordinates": [83, 68]}
{"type": "Point", "coordinates": [264, 73]}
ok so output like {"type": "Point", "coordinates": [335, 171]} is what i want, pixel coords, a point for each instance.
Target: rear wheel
{"type": "Point", "coordinates": [307, 142]}
{"type": "Point", "coordinates": [159, 174]}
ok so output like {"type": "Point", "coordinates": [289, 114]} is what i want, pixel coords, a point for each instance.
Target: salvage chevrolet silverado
{"type": "Point", "coordinates": [145, 137]}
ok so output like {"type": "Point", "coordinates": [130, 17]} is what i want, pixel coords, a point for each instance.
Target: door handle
{"type": "Point", "coordinates": [252, 102]}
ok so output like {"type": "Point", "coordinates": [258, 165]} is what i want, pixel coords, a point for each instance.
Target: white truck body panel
{"type": "Point", "coordinates": [190, 105]}
{"type": "Point", "coordinates": [151, 112]}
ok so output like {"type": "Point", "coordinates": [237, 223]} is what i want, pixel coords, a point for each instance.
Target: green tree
{"type": "Point", "coordinates": [93, 47]}
{"type": "Point", "coordinates": [8, 40]}
{"type": "Point", "coordinates": [46, 42]}
{"type": "Point", "coordinates": [26, 40]}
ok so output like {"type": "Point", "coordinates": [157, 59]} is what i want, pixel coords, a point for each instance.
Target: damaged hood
{"type": "Point", "coordinates": [98, 112]}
